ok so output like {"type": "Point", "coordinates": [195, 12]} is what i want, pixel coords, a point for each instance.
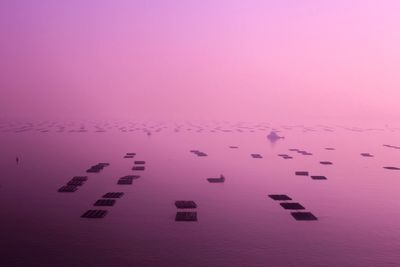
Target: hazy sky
{"type": "Point", "coordinates": [205, 59]}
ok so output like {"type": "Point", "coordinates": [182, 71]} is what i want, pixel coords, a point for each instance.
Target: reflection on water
{"type": "Point", "coordinates": [198, 194]}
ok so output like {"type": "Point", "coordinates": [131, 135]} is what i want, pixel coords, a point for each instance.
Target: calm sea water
{"type": "Point", "coordinates": [358, 206]}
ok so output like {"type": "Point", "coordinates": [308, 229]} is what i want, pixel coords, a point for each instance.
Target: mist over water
{"type": "Point", "coordinates": [201, 133]}
{"type": "Point", "coordinates": [225, 60]}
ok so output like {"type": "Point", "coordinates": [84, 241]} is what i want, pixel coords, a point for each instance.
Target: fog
{"type": "Point", "coordinates": [289, 61]}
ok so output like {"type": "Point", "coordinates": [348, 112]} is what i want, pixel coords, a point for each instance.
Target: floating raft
{"type": "Point", "coordinates": [304, 216]}
{"type": "Point", "coordinates": [98, 167]}
{"type": "Point", "coordinates": [94, 214]}
{"type": "Point", "coordinates": [288, 157]}
{"type": "Point", "coordinates": [113, 195]}
{"type": "Point", "coordinates": [366, 155]}
{"type": "Point", "coordinates": [292, 206]}
{"type": "Point", "coordinates": [128, 179]}
{"type": "Point", "coordinates": [301, 173]}
{"type": "Point", "coordinates": [128, 157]}
{"type": "Point", "coordinates": [138, 168]}
{"type": "Point", "coordinates": [221, 179]}
{"type": "Point", "coordinates": [280, 197]}
{"type": "Point", "coordinates": [75, 183]}
{"type": "Point", "coordinates": [305, 153]}
{"type": "Point", "coordinates": [325, 162]}
{"type": "Point", "coordinates": [234, 147]}
{"type": "Point", "coordinates": [186, 216]}
{"type": "Point", "coordinates": [256, 156]}
{"type": "Point", "coordinates": [139, 162]}
{"type": "Point", "coordinates": [104, 202]}
{"type": "Point", "coordinates": [285, 156]}
{"type": "Point", "coordinates": [329, 148]}
{"type": "Point", "coordinates": [79, 178]}
{"type": "Point", "coordinates": [198, 153]}
{"type": "Point", "coordinates": [391, 168]}
{"type": "Point", "coordinates": [318, 177]}
{"type": "Point", "coordinates": [391, 146]}
{"type": "Point", "coordinates": [67, 189]}
{"type": "Point", "coordinates": [124, 181]}
{"type": "Point", "coordinates": [185, 204]}
{"type": "Point", "coordinates": [216, 180]}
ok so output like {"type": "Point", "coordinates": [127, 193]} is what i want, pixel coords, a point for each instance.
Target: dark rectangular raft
{"type": "Point", "coordinates": [288, 157]}
{"type": "Point", "coordinates": [140, 162]}
{"type": "Point", "coordinates": [303, 216]}
{"type": "Point", "coordinates": [285, 156]}
{"type": "Point", "coordinates": [67, 189]}
{"type": "Point", "coordinates": [366, 155]}
{"type": "Point", "coordinates": [184, 216]}
{"type": "Point", "coordinates": [391, 146]}
{"type": "Point", "coordinates": [76, 183]}
{"type": "Point", "coordinates": [280, 197]}
{"type": "Point", "coordinates": [256, 156]}
{"type": "Point", "coordinates": [104, 202]}
{"type": "Point", "coordinates": [128, 179]}
{"type": "Point", "coordinates": [185, 204]}
{"type": "Point", "coordinates": [138, 168]}
{"type": "Point", "coordinates": [325, 162]}
{"type": "Point", "coordinates": [79, 178]}
{"type": "Point", "coordinates": [113, 195]}
{"type": "Point", "coordinates": [392, 168]}
{"type": "Point", "coordinates": [94, 214]}
{"type": "Point", "coordinates": [318, 177]}
{"type": "Point", "coordinates": [220, 179]}
{"type": "Point", "coordinates": [301, 173]}
{"type": "Point", "coordinates": [97, 168]}
{"type": "Point", "coordinates": [199, 153]}
{"type": "Point", "coordinates": [305, 153]}
{"type": "Point", "coordinates": [292, 206]}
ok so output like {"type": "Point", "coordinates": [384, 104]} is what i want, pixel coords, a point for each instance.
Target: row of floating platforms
{"type": "Point", "coordinates": [287, 204]}
{"type": "Point", "coordinates": [108, 199]}
{"type": "Point", "coordinates": [139, 165]}
{"type": "Point", "coordinates": [73, 184]}
{"type": "Point", "coordinates": [314, 177]}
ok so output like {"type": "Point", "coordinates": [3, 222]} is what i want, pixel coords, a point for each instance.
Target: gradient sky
{"type": "Point", "coordinates": [209, 59]}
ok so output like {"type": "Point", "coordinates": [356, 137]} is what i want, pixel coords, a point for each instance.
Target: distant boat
{"type": "Point", "coordinates": [273, 136]}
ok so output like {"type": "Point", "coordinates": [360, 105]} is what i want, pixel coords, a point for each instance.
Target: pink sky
{"type": "Point", "coordinates": [209, 59]}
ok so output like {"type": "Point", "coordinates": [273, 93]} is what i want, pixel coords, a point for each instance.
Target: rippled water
{"type": "Point", "coordinates": [358, 206]}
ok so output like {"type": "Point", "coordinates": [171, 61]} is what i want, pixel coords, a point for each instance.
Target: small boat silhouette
{"type": "Point", "coordinates": [273, 136]}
